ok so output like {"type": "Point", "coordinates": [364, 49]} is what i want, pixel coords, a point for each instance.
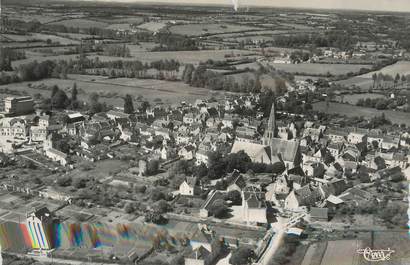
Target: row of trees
{"type": "Point", "coordinates": [202, 77]}
{"type": "Point", "coordinates": [117, 50]}
{"type": "Point", "coordinates": [338, 39]}
{"type": "Point", "coordinates": [381, 103]}
{"type": "Point", "coordinates": [8, 55]}
{"type": "Point", "coordinates": [220, 165]}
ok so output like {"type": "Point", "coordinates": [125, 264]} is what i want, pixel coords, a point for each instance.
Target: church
{"type": "Point", "coordinates": [271, 149]}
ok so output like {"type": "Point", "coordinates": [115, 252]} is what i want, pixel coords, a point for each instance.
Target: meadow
{"type": "Point", "coordinates": [212, 28]}
{"type": "Point", "coordinates": [319, 69]}
{"type": "Point", "coordinates": [112, 91]}
{"type": "Point", "coordinates": [81, 23]}
{"type": "Point", "coordinates": [396, 117]}
{"type": "Point", "coordinates": [366, 81]}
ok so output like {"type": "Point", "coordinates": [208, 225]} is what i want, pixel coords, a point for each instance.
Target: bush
{"type": "Point", "coordinates": [129, 208]}
{"type": "Point", "coordinates": [163, 207]}
{"type": "Point", "coordinates": [79, 183]}
{"type": "Point", "coordinates": [64, 181]}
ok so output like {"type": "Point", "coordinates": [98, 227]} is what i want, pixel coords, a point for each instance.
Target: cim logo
{"type": "Point", "coordinates": [376, 255]}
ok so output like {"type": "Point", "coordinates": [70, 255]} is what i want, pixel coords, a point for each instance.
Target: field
{"type": "Point", "coordinates": [401, 67]}
{"type": "Point", "coordinates": [186, 57]}
{"type": "Point", "coordinates": [342, 252]}
{"type": "Point", "coordinates": [319, 69]}
{"type": "Point", "coordinates": [152, 26]}
{"type": "Point", "coordinates": [169, 92]}
{"type": "Point", "coordinates": [397, 117]}
{"type": "Point", "coordinates": [202, 29]}
{"type": "Point", "coordinates": [81, 23]}
{"type": "Point", "coordinates": [366, 81]}
{"type": "Point", "coordinates": [353, 99]}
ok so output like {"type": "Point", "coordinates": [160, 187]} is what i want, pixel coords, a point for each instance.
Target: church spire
{"type": "Point", "coordinates": [271, 128]}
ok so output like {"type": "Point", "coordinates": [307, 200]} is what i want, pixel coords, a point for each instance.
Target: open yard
{"type": "Point", "coordinates": [397, 117]}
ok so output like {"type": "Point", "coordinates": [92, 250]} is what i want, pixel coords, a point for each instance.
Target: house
{"type": "Point", "coordinates": [189, 187]}
{"type": "Point", "coordinates": [390, 142]}
{"type": "Point", "coordinates": [238, 183]}
{"type": "Point", "coordinates": [18, 105]}
{"type": "Point", "coordinates": [305, 196]}
{"type": "Point", "coordinates": [187, 152]}
{"type": "Point", "coordinates": [201, 157]}
{"type": "Point", "coordinates": [313, 133]}
{"type": "Point", "coordinates": [319, 214]}
{"type": "Point", "coordinates": [44, 121]}
{"type": "Point", "coordinates": [75, 118]}
{"type": "Point", "coordinates": [357, 135]}
{"type": "Point", "coordinates": [254, 206]}
{"type": "Point", "coordinates": [313, 169]}
{"type": "Point", "coordinates": [56, 156]}
{"type": "Point", "coordinates": [212, 197]}
{"type": "Point", "coordinates": [391, 174]}
{"type": "Point", "coordinates": [198, 256]}
{"type": "Point", "coordinates": [335, 149]}
{"type": "Point", "coordinates": [188, 118]}
{"type": "Point", "coordinates": [337, 136]}
{"type": "Point", "coordinates": [117, 115]}
{"type": "Point", "coordinates": [38, 133]}
{"type": "Point", "coordinates": [40, 223]}
{"type": "Point", "coordinates": [279, 189]}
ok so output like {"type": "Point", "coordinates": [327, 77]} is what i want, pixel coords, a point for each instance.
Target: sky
{"type": "Point", "coordinates": [380, 5]}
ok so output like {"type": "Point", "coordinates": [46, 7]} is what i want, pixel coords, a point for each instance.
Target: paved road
{"type": "Point", "coordinates": [274, 245]}
{"type": "Point", "coordinates": [66, 261]}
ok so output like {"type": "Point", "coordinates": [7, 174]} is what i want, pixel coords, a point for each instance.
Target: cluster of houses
{"type": "Point", "coordinates": [319, 161]}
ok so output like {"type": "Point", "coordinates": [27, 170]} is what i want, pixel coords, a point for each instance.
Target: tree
{"type": "Point", "coordinates": [74, 92]}
{"type": "Point", "coordinates": [64, 181]}
{"type": "Point", "coordinates": [234, 196]}
{"type": "Point", "coordinates": [380, 163]}
{"type": "Point", "coordinates": [54, 90]}
{"type": "Point", "coordinates": [278, 168]}
{"type": "Point", "coordinates": [163, 207]}
{"type": "Point", "coordinates": [128, 104]}
{"type": "Point", "coordinates": [59, 100]}
{"type": "Point", "coordinates": [242, 256]}
{"type": "Point", "coordinates": [79, 183]}
{"type": "Point", "coordinates": [129, 208]}
{"type": "Point", "coordinates": [152, 167]}
{"type": "Point", "coordinates": [218, 208]}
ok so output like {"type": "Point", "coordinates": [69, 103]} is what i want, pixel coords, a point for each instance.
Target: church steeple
{"type": "Point", "coordinates": [271, 128]}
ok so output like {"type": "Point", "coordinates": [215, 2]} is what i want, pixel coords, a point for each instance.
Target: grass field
{"type": "Point", "coordinates": [353, 99]}
{"type": "Point", "coordinates": [397, 117]}
{"type": "Point", "coordinates": [366, 81]}
{"type": "Point", "coordinates": [319, 69]}
{"type": "Point", "coordinates": [169, 92]}
{"type": "Point", "coordinates": [152, 26]}
{"type": "Point", "coordinates": [81, 23]}
{"type": "Point", "coordinates": [342, 252]}
{"type": "Point", "coordinates": [193, 57]}
{"type": "Point", "coordinates": [212, 28]}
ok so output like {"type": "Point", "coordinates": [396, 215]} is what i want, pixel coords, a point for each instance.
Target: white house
{"type": "Point", "coordinates": [189, 187]}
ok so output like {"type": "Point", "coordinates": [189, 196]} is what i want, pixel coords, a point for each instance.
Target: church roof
{"type": "Point", "coordinates": [253, 150]}
{"type": "Point", "coordinates": [286, 149]}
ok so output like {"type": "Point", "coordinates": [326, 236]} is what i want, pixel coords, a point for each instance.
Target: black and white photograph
{"type": "Point", "coordinates": [204, 132]}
